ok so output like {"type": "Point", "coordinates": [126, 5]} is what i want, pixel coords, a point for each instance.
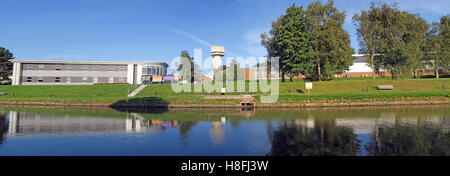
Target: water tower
{"type": "Point", "coordinates": [217, 52]}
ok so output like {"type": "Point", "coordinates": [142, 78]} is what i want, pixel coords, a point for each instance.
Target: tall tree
{"type": "Point", "coordinates": [289, 40]}
{"type": "Point", "coordinates": [444, 36]}
{"type": "Point", "coordinates": [189, 70]}
{"type": "Point", "coordinates": [368, 24]}
{"type": "Point", "coordinates": [329, 41]}
{"type": "Point", "coordinates": [5, 64]}
{"type": "Point", "coordinates": [400, 39]}
{"type": "Point", "coordinates": [433, 49]}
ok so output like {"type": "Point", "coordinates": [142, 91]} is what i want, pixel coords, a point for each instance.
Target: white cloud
{"type": "Point", "coordinates": [193, 37]}
{"type": "Point", "coordinates": [197, 39]}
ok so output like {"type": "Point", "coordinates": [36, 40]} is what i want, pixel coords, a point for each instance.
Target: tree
{"type": "Point", "coordinates": [289, 40]}
{"type": "Point", "coordinates": [5, 64]}
{"type": "Point", "coordinates": [367, 23]}
{"type": "Point", "coordinates": [444, 37]}
{"type": "Point", "coordinates": [329, 41]}
{"type": "Point", "coordinates": [232, 71]}
{"type": "Point", "coordinates": [189, 70]}
{"type": "Point", "coordinates": [434, 54]}
{"type": "Point", "coordinates": [400, 38]}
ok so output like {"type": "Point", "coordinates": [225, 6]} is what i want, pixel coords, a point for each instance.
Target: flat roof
{"type": "Point", "coordinates": [86, 62]}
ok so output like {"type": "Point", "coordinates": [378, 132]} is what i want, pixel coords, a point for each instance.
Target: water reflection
{"type": "Point", "coordinates": [26, 123]}
{"type": "Point", "coordinates": [307, 132]}
{"type": "Point", "coordinates": [3, 128]}
{"type": "Point", "coordinates": [323, 139]}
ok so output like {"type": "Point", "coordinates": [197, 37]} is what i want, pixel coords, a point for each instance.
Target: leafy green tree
{"type": "Point", "coordinates": [444, 36]}
{"type": "Point", "coordinates": [368, 26]}
{"type": "Point", "coordinates": [289, 40]}
{"type": "Point", "coordinates": [401, 37]}
{"type": "Point", "coordinates": [329, 41]}
{"type": "Point", "coordinates": [434, 52]}
{"type": "Point", "coordinates": [234, 71]}
{"type": "Point", "coordinates": [5, 64]}
{"type": "Point", "coordinates": [187, 67]}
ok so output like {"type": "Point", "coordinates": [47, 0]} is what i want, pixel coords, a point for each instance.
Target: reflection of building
{"type": "Point", "coordinates": [63, 72]}
{"type": "Point", "coordinates": [23, 123]}
{"type": "Point", "coordinates": [308, 123]}
{"type": "Point", "coordinates": [367, 125]}
{"type": "Point", "coordinates": [217, 132]}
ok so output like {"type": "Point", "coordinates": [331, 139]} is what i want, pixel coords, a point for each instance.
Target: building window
{"type": "Point", "coordinates": [111, 68]}
{"type": "Point", "coordinates": [111, 80]}
{"type": "Point", "coordinates": [95, 67]}
{"type": "Point", "coordinates": [68, 79]}
{"type": "Point", "coordinates": [30, 67]}
{"type": "Point", "coordinates": [40, 79]}
{"type": "Point", "coordinates": [57, 67]}
{"type": "Point", "coordinates": [58, 79]}
{"type": "Point", "coordinates": [41, 67]}
{"type": "Point", "coordinates": [68, 67]}
{"type": "Point", "coordinates": [121, 80]}
{"type": "Point", "coordinates": [29, 79]}
{"type": "Point", "coordinates": [85, 67]}
{"type": "Point", "coordinates": [84, 79]}
{"type": "Point", "coordinates": [122, 68]}
{"type": "Point", "coordinates": [95, 79]}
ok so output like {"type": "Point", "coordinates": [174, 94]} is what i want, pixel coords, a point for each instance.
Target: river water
{"type": "Point", "coordinates": [402, 130]}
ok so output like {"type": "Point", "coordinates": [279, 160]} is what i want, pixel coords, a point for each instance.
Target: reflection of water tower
{"type": "Point", "coordinates": [217, 52]}
{"type": "Point", "coordinates": [217, 133]}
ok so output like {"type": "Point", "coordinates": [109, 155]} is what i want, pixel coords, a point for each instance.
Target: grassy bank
{"type": "Point", "coordinates": [344, 89]}
{"type": "Point", "coordinates": [77, 93]}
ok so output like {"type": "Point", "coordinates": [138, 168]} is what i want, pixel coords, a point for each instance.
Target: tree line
{"type": "Point", "coordinates": [312, 41]}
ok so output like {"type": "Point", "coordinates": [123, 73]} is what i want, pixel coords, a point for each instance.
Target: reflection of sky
{"type": "Point", "coordinates": [365, 139]}
{"type": "Point", "coordinates": [246, 138]}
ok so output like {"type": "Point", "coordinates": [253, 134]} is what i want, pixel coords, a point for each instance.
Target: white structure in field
{"type": "Point", "coordinates": [217, 52]}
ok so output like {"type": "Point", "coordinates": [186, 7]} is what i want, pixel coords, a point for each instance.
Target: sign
{"type": "Point", "coordinates": [308, 85]}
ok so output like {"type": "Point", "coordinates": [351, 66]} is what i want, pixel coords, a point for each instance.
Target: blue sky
{"type": "Point", "coordinates": [139, 30]}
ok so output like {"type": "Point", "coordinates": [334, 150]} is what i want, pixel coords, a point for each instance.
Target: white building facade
{"type": "Point", "coordinates": [62, 72]}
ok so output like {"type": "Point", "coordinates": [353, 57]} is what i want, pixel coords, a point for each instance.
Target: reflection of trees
{"type": "Point", "coordinates": [3, 128]}
{"type": "Point", "coordinates": [409, 140]}
{"type": "Point", "coordinates": [324, 139]}
{"type": "Point", "coordinates": [185, 127]}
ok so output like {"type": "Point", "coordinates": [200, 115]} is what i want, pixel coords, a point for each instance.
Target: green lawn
{"type": "Point", "coordinates": [106, 93]}
{"type": "Point", "coordinates": [339, 89]}
{"type": "Point", "coordinates": [344, 88]}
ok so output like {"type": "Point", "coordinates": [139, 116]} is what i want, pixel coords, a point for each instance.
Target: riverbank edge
{"type": "Point", "coordinates": [275, 105]}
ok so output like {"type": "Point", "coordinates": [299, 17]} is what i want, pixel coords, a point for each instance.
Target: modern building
{"type": "Point", "coordinates": [65, 72]}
